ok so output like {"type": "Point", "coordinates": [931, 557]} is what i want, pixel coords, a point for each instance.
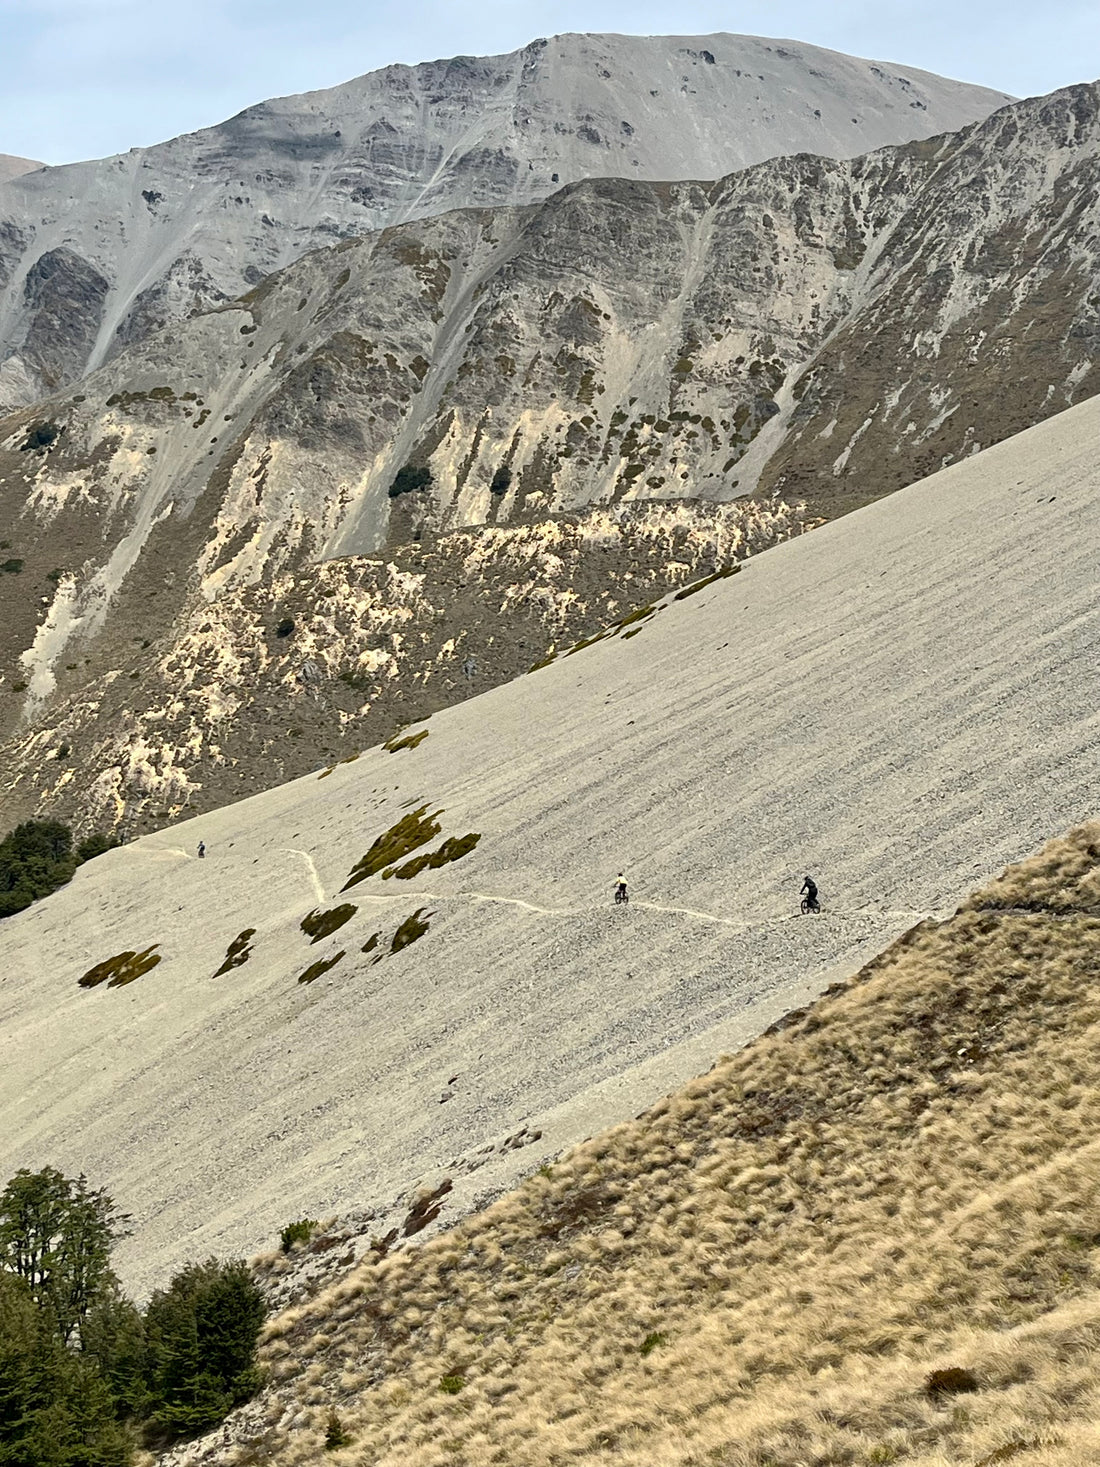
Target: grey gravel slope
{"type": "Point", "coordinates": [804, 330]}
{"type": "Point", "coordinates": [899, 703]}
{"type": "Point", "coordinates": [95, 255]}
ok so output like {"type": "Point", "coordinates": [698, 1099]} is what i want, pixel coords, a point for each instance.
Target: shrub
{"type": "Point", "coordinates": [412, 928]}
{"type": "Point", "coordinates": [39, 435]}
{"type": "Point", "coordinates": [452, 849]}
{"type": "Point", "coordinates": [200, 1336]}
{"type": "Point", "coordinates": [55, 1409]}
{"type": "Point", "coordinates": [285, 627]}
{"type": "Point", "coordinates": [953, 1380]}
{"type": "Point", "coordinates": [320, 924]}
{"type": "Point", "coordinates": [450, 1385]}
{"type": "Point", "coordinates": [35, 859]}
{"type": "Point", "coordinates": [319, 968]}
{"type": "Point", "coordinates": [238, 952]}
{"type": "Point", "coordinates": [335, 1435]}
{"type": "Point", "coordinates": [123, 968]}
{"type": "Point", "coordinates": [13, 566]}
{"type": "Point", "coordinates": [410, 741]}
{"type": "Point", "coordinates": [297, 1232]}
{"type": "Point", "coordinates": [409, 479]}
{"type": "Point", "coordinates": [415, 829]}
{"type": "Point", "coordinates": [502, 480]}
{"type": "Point", "coordinates": [96, 843]}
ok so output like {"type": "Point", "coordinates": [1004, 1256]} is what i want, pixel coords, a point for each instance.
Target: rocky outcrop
{"type": "Point", "coordinates": [555, 381]}
{"type": "Point", "coordinates": [180, 227]}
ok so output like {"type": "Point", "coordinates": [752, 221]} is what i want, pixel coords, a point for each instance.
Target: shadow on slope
{"type": "Point", "coordinates": [870, 1237]}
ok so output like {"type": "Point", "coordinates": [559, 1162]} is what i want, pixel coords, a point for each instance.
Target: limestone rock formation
{"type": "Point", "coordinates": [159, 233]}
{"type": "Point", "coordinates": [487, 433]}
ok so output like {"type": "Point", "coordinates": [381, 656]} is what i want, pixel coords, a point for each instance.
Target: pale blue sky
{"type": "Point", "coordinates": [84, 78]}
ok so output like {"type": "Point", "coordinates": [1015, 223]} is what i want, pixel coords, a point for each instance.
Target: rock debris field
{"type": "Point", "coordinates": [898, 703]}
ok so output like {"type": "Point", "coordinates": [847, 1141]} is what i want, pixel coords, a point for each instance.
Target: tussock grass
{"type": "Point", "coordinates": [871, 1237]}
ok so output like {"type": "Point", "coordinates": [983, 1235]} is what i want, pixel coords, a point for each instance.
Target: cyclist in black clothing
{"type": "Point", "coordinates": [809, 886]}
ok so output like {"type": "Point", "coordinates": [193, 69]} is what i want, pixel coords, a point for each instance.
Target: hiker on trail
{"type": "Point", "coordinates": [620, 888]}
{"type": "Point", "coordinates": [202, 849]}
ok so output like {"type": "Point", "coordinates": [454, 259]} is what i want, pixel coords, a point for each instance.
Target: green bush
{"type": "Point", "coordinates": [55, 1408]}
{"type": "Point", "coordinates": [200, 1341]}
{"type": "Point", "coordinates": [35, 859]}
{"type": "Point", "coordinates": [13, 566]}
{"type": "Point", "coordinates": [335, 1434]}
{"type": "Point", "coordinates": [409, 479]}
{"type": "Point", "coordinates": [297, 1232]}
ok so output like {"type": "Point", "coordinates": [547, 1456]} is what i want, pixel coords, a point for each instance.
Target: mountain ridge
{"type": "Point", "coordinates": [144, 238]}
{"type": "Point", "coordinates": [806, 331]}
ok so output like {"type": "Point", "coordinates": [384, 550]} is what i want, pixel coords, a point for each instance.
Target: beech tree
{"type": "Point", "coordinates": [56, 1235]}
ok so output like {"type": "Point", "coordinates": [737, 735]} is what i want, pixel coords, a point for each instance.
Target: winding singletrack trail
{"type": "Point", "coordinates": [894, 702]}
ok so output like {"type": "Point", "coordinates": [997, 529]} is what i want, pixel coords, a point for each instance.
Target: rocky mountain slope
{"type": "Point", "coordinates": [865, 1238]}
{"type": "Point", "coordinates": [895, 703]}
{"type": "Point", "coordinates": [96, 255]}
{"type": "Point", "coordinates": [591, 384]}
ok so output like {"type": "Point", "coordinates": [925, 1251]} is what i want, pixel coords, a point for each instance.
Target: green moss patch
{"type": "Point", "coordinates": [452, 849]}
{"type": "Point", "coordinates": [315, 970]}
{"type": "Point", "coordinates": [719, 575]}
{"type": "Point", "coordinates": [413, 830]}
{"type": "Point", "coordinates": [411, 929]}
{"type": "Point", "coordinates": [238, 952]}
{"type": "Point", "coordinates": [319, 924]}
{"type": "Point", "coordinates": [121, 969]}
{"type": "Point", "coordinates": [410, 741]}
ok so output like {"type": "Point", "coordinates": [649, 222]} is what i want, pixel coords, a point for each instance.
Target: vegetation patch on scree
{"type": "Point", "coordinates": [719, 575]}
{"type": "Point", "coordinates": [122, 968]}
{"type": "Point", "coordinates": [320, 924]}
{"type": "Point", "coordinates": [315, 970]}
{"type": "Point", "coordinates": [413, 830]}
{"type": "Point", "coordinates": [452, 849]}
{"type": "Point", "coordinates": [238, 952]}
{"type": "Point", "coordinates": [410, 741]}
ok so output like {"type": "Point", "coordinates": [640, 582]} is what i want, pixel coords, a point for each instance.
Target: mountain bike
{"type": "Point", "coordinates": [621, 898]}
{"type": "Point", "coordinates": [808, 905]}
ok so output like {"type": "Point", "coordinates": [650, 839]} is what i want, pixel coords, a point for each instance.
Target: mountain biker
{"type": "Point", "coordinates": [620, 888]}
{"type": "Point", "coordinates": [202, 849]}
{"type": "Point", "coordinates": [809, 886]}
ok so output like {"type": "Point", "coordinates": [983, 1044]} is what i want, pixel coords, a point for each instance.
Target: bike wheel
{"type": "Point", "coordinates": [803, 906]}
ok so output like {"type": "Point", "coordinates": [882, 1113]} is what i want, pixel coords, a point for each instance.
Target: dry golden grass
{"type": "Point", "coordinates": [765, 1269]}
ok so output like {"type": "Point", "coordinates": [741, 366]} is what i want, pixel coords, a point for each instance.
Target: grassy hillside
{"type": "Point", "coordinates": [870, 1237]}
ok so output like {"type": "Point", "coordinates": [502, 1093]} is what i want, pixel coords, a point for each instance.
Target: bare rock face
{"type": "Point", "coordinates": [179, 228]}
{"type": "Point", "coordinates": [488, 433]}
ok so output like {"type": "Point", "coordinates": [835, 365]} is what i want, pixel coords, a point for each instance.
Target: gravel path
{"type": "Point", "coordinates": [898, 704]}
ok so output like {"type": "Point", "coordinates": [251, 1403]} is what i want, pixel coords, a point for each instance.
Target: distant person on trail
{"type": "Point", "coordinates": [202, 849]}
{"type": "Point", "coordinates": [620, 888]}
{"type": "Point", "coordinates": [810, 904]}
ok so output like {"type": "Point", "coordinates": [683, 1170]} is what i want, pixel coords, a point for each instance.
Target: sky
{"type": "Point", "coordinates": [86, 78]}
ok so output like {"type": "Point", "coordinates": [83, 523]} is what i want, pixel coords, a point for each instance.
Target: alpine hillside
{"type": "Point", "coordinates": [412, 465]}
{"type": "Point", "coordinates": [96, 255]}
{"type": "Point", "coordinates": [406, 971]}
